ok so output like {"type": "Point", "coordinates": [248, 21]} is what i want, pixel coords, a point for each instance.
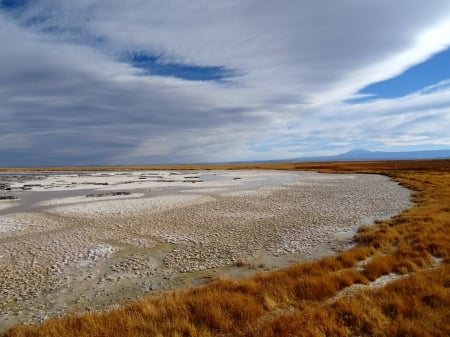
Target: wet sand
{"type": "Point", "coordinates": [70, 242]}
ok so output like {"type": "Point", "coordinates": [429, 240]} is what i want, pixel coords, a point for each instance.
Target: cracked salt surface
{"type": "Point", "coordinates": [95, 253]}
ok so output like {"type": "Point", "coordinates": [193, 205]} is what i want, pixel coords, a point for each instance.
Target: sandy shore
{"type": "Point", "coordinates": [70, 244]}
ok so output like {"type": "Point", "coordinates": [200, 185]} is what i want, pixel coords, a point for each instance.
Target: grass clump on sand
{"type": "Point", "coordinates": [301, 300]}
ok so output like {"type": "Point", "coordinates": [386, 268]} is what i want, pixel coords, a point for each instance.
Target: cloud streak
{"type": "Point", "coordinates": [71, 93]}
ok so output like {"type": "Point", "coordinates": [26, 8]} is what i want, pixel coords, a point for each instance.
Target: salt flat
{"type": "Point", "coordinates": [85, 241]}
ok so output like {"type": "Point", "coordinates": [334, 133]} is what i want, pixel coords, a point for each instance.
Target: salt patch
{"type": "Point", "coordinates": [129, 206]}
{"type": "Point", "coordinates": [8, 225]}
{"type": "Point", "coordinates": [94, 254]}
{"type": "Point", "coordinates": [244, 193]}
{"type": "Point", "coordinates": [174, 238]}
{"type": "Point", "coordinates": [204, 190]}
{"type": "Point", "coordinates": [7, 204]}
{"type": "Point", "coordinates": [84, 199]}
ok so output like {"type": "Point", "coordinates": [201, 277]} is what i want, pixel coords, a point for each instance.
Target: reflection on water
{"type": "Point", "coordinates": [32, 188]}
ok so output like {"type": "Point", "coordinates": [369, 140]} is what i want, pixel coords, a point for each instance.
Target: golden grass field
{"type": "Point", "coordinates": [306, 299]}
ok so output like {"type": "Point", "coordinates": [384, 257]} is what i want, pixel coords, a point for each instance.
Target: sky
{"type": "Point", "coordinates": [109, 82]}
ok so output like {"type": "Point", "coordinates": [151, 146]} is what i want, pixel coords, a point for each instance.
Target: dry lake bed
{"type": "Point", "coordinates": [84, 241]}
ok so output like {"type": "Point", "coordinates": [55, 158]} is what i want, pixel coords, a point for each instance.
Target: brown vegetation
{"type": "Point", "coordinates": [363, 166]}
{"type": "Point", "coordinates": [296, 301]}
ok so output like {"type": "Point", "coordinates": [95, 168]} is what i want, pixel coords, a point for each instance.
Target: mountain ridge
{"type": "Point", "coordinates": [361, 154]}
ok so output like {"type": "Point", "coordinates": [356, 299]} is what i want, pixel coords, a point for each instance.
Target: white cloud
{"type": "Point", "coordinates": [64, 85]}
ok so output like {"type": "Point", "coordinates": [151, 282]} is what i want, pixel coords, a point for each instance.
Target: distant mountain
{"type": "Point", "coordinates": [357, 155]}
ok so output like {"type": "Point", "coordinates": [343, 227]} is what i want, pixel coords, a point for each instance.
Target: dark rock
{"type": "Point", "coordinates": [111, 194]}
{"type": "Point", "coordinates": [8, 197]}
{"type": "Point", "coordinates": [29, 187]}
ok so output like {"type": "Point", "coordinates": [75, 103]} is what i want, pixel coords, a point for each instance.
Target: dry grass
{"type": "Point", "coordinates": [293, 301]}
{"type": "Point", "coordinates": [415, 306]}
{"type": "Point", "coordinates": [363, 166]}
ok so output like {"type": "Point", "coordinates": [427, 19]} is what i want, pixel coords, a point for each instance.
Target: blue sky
{"type": "Point", "coordinates": [434, 70]}
{"type": "Point", "coordinates": [113, 82]}
{"type": "Point", "coordinates": [151, 65]}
